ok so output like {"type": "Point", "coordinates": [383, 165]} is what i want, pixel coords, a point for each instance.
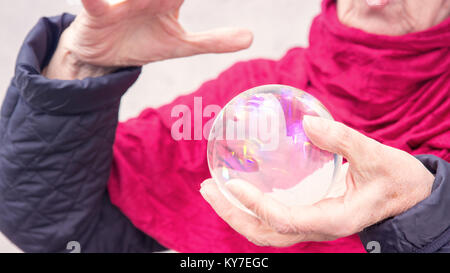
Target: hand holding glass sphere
{"type": "Point", "coordinates": [258, 137]}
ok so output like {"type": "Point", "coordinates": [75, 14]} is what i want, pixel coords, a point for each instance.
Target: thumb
{"type": "Point", "coordinates": [218, 41]}
{"type": "Point", "coordinates": [337, 138]}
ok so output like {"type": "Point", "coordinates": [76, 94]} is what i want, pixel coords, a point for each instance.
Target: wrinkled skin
{"type": "Point", "coordinates": [392, 17]}
{"type": "Point", "coordinates": [378, 182]}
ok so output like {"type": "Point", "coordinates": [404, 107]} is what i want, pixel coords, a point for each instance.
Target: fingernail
{"type": "Point", "coordinates": [202, 187]}
{"type": "Point", "coordinates": [232, 185]}
{"type": "Point", "coordinates": [247, 39]}
{"type": "Point", "coordinates": [204, 194]}
{"type": "Point", "coordinates": [313, 123]}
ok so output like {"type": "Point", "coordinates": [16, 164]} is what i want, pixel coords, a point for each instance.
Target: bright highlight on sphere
{"type": "Point", "coordinates": [258, 137]}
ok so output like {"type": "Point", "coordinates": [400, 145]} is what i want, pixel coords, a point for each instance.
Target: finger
{"type": "Point", "coordinates": [247, 225]}
{"type": "Point", "coordinates": [322, 221]}
{"type": "Point", "coordinates": [337, 138]}
{"type": "Point", "coordinates": [343, 212]}
{"type": "Point", "coordinates": [218, 41]}
{"type": "Point", "coordinates": [95, 7]}
{"type": "Point", "coordinates": [235, 217]}
{"type": "Point", "coordinates": [266, 208]}
{"type": "Point", "coordinates": [328, 218]}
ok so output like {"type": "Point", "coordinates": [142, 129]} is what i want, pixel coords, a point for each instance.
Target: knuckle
{"type": "Point", "coordinates": [281, 228]}
{"type": "Point", "coordinates": [285, 224]}
{"type": "Point", "coordinates": [281, 221]}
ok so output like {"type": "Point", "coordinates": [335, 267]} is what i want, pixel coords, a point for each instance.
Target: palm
{"type": "Point", "coordinates": [137, 32]}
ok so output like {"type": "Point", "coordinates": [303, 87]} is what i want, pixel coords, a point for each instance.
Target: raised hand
{"type": "Point", "coordinates": [136, 32]}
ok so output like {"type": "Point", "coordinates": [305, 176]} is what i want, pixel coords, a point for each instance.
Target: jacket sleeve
{"type": "Point", "coordinates": [56, 141]}
{"type": "Point", "coordinates": [425, 227]}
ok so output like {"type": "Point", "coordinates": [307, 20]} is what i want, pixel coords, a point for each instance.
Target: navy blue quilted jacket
{"type": "Point", "coordinates": [56, 142]}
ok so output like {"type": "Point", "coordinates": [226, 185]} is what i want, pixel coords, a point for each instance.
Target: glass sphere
{"type": "Point", "coordinates": [258, 137]}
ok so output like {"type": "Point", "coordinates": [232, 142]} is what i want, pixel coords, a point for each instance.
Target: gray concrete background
{"type": "Point", "coordinates": [277, 25]}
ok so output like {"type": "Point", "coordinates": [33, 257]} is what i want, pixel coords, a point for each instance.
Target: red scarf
{"type": "Point", "coordinates": [393, 89]}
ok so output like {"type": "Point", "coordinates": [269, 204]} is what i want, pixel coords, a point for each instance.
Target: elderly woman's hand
{"type": "Point", "coordinates": [378, 182]}
{"type": "Point", "coordinates": [136, 32]}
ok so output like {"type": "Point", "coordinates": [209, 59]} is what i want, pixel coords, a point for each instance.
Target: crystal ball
{"type": "Point", "coordinates": [258, 137]}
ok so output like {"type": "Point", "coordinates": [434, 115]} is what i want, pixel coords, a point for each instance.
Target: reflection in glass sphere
{"type": "Point", "coordinates": [258, 137]}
